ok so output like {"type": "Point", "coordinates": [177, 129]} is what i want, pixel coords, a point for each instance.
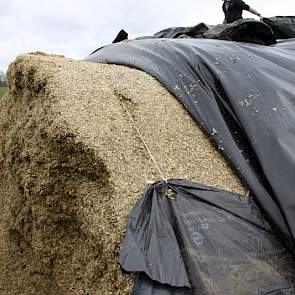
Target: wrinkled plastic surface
{"type": "Point", "coordinates": [244, 30]}
{"type": "Point", "coordinates": [243, 96]}
{"type": "Point", "coordinates": [176, 32]}
{"type": "Point", "coordinates": [282, 26]}
{"type": "Point", "coordinates": [200, 240]}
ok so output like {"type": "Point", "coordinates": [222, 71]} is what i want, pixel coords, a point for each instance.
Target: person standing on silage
{"type": "Point", "coordinates": [233, 10]}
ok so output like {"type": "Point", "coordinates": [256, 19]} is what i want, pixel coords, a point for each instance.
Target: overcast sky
{"type": "Point", "coordinates": [75, 28]}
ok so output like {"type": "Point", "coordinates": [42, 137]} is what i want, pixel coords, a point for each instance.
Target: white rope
{"type": "Point", "coordinates": [145, 145]}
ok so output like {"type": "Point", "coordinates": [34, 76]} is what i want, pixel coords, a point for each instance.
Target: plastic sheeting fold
{"type": "Point", "coordinates": [203, 241]}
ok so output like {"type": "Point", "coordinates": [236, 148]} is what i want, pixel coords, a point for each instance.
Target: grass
{"type": "Point", "coordinates": [2, 91]}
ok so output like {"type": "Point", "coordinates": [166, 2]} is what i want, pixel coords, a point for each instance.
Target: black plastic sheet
{"type": "Point", "coordinates": [244, 30]}
{"type": "Point", "coordinates": [283, 26]}
{"type": "Point", "coordinates": [185, 238]}
{"type": "Point", "coordinates": [243, 97]}
{"type": "Point", "coordinates": [176, 32]}
{"type": "Point", "coordinates": [122, 35]}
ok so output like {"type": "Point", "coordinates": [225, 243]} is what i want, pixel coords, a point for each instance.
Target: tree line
{"type": "Point", "coordinates": [3, 79]}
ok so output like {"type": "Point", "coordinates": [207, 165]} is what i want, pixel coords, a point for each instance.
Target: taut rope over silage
{"type": "Point", "coordinates": [141, 137]}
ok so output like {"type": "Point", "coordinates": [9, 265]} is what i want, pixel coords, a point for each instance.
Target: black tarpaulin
{"type": "Point", "coordinates": [282, 26]}
{"type": "Point", "coordinates": [176, 32]}
{"type": "Point", "coordinates": [244, 30]}
{"type": "Point", "coordinates": [201, 240]}
{"type": "Point", "coordinates": [243, 97]}
{"type": "Point", "coordinates": [122, 35]}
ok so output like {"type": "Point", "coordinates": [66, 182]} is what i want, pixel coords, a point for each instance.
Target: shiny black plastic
{"type": "Point", "coordinates": [186, 239]}
{"type": "Point", "coordinates": [283, 26]}
{"type": "Point", "coordinates": [243, 96]}
{"type": "Point", "coordinates": [245, 30]}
